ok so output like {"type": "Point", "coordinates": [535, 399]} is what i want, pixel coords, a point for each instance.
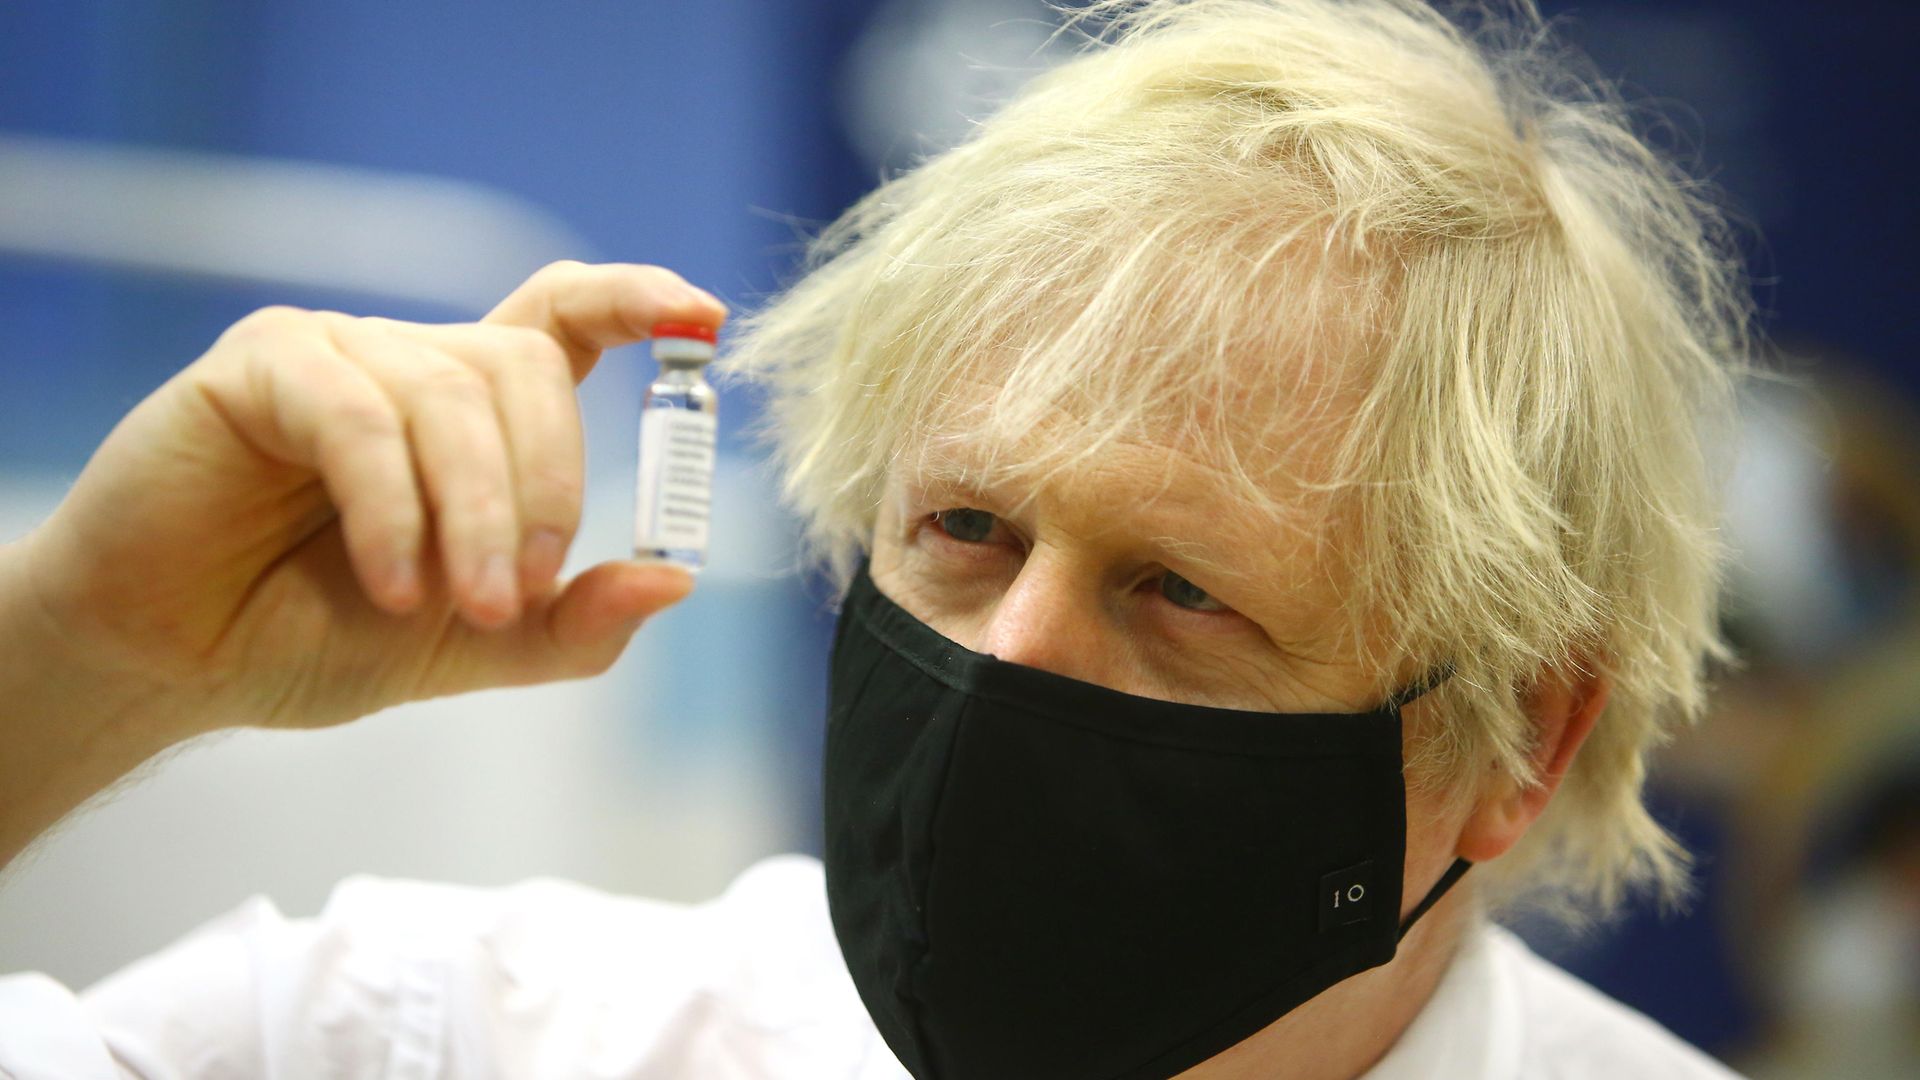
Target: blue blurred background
{"type": "Point", "coordinates": [167, 167]}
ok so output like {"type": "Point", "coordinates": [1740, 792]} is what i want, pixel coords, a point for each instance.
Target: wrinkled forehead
{"type": "Point", "coordinates": [1233, 477]}
{"type": "Point", "coordinates": [1122, 494]}
{"type": "Point", "coordinates": [1254, 430]}
{"type": "Point", "coordinates": [1236, 357]}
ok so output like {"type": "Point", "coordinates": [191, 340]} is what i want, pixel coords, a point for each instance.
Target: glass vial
{"type": "Point", "coordinates": [678, 421]}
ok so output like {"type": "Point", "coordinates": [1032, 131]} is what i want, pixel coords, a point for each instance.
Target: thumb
{"type": "Point", "coordinates": [611, 600]}
{"type": "Point", "coordinates": [578, 632]}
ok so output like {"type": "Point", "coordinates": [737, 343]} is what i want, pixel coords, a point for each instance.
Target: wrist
{"type": "Point", "coordinates": [61, 660]}
{"type": "Point", "coordinates": [71, 726]}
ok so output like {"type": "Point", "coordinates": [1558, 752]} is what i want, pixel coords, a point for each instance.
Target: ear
{"type": "Point", "coordinates": [1563, 707]}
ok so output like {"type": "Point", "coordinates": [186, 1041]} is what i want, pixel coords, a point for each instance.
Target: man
{"type": "Point", "coordinates": [1267, 467]}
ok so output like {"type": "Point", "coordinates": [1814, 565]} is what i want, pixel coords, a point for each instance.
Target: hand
{"type": "Point", "coordinates": [327, 515]}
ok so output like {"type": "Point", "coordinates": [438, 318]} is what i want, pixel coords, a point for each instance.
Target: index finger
{"type": "Point", "coordinates": [589, 309]}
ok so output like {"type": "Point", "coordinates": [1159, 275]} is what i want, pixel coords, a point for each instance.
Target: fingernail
{"type": "Point", "coordinates": [493, 588]}
{"type": "Point", "coordinates": [701, 295]}
{"type": "Point", "coordinates": [545, 550]}
{"type": "Point", "coordinates": [403, 580]}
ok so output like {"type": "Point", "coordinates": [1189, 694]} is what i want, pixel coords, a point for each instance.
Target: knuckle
{"type": "Point", "coordinates": [555, 495]}
{"type": "Point", "coordinates": [273, 320]}
{"type": "Point", "coordinates": [362, 418]}
{"type": "Point", "coordinates": [558, 270]}
{"type": "Point", "coordinates": [454, 383]}
{"type": "Point", "coordinates": [488, 511]}
{"type": "Point", "coordinates": [403, 521]}
{"type": "Point", "coordinates": [529, 346]}
{"type": "Point", "coordinates": [387, 525]}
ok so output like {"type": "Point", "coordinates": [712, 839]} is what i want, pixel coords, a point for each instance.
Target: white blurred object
{"type": "Point", "coordinates": [924, 70]}
{"type": "Point", "coordinates": [300, 224]}
{"type": "Point", "coordinates": [1851, 983]}
{"type": "Point", "coordinates": [1788, 570]}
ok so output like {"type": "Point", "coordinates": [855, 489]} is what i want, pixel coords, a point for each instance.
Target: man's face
{"type": "Point", "coordinates": [1141, 572]}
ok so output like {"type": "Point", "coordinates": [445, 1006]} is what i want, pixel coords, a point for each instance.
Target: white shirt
{"type": "Point", "coordinates": [545, 980]}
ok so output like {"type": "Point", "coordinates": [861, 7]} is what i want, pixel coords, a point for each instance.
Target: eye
{"type": "Point", "coordinates": [1184, 593]}
{"type": "Point", "coordinates": [969, 526]}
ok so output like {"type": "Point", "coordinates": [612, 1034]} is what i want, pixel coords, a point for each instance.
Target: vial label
{"type": "Point", "coordinates": [676, 480]}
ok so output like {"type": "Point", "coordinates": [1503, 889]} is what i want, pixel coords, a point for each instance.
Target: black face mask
{"type": "Point", "coordinates": [1036, 877]}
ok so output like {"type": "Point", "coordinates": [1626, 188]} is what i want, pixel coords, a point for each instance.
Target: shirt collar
{"type": "Point", "coordinates": [1469, 1029]}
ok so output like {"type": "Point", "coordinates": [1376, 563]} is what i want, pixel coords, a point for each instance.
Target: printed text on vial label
{"type": "Point", "coordinates": [676, 479]}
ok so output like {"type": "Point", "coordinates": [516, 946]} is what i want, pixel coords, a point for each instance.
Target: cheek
{"type": "Point", "coordinates": [1435, 820]}
{"type": "Point", "coordinates": [883, 546]}
{"type": "Point", "coordinates": [960, 619]}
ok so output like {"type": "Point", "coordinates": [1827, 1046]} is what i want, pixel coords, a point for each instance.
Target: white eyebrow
{"type": "Point", "coordinates": [1199, 554]}
{"type": "Point", "coordinates": [935, 473]}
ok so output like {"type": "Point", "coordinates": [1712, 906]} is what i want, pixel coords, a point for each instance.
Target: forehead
{"type": "Point", "coordinates": [1243, 511]}
{"type": "Point", "coordinates": [1259, 418]}
{"type": "Point", "coordinates": [1208, 415]}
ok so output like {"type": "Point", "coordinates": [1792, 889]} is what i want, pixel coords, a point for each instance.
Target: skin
{"type": "Point", "coordinates": [321, 517]}
{"type": "Point", "coordinates": [324, 516]}
{"type": "Point", "coordinates": [1100, 576]}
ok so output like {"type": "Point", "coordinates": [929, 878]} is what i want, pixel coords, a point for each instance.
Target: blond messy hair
{"type": "Point", "coordinates": [1435, 230]}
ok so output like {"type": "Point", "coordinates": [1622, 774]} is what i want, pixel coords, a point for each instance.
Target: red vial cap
{"type": "Point", "coordinates": [684, 330]}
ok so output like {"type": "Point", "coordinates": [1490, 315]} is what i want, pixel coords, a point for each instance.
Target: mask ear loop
{"type": "Point", "coordinates": [1454, 873]}
{"type": "Point", "coordinates": [1421, 686]}
{"type": "Point", "coordinates": [1459, 868]}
